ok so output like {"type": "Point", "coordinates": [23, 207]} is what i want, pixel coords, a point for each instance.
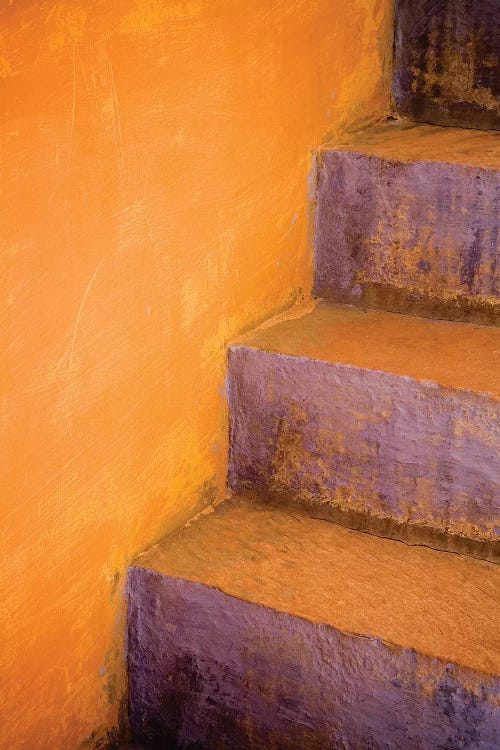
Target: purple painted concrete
{"type": "Point", "coordinates": [447, 62]}
{"type": "Point", "coordinates": [380, 446]}
{"type": "Point", "coordinates": [419, 237]}
{"type": "Point", "coordinates": [208, 671]}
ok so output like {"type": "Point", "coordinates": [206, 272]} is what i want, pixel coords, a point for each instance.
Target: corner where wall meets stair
{"type": "Point", "coordinates": [347, 597]}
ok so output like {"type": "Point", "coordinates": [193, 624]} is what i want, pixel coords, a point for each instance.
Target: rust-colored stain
{"type": "Point", "coordinates": [154, 162]}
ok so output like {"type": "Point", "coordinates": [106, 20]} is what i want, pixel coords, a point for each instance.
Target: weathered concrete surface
{"type": "Point", "coordinates": [447, 61]}
{"type": "Point", "coordinates": [382, 422]}
{"type": "Point", "coordinates": [407, 220]}
{"type": "Point", "coordinates": [256, 628]}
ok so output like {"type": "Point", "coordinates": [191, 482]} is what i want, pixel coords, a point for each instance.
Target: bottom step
{"type": "Point", "coordinates": [259, 628]}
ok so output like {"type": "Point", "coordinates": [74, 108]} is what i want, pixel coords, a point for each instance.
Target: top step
{"type": "Point", "coordinates": [407, 220]}
{"type": "Point", "coordinates": [447, 62]}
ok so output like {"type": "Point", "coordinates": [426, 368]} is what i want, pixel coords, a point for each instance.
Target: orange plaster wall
{"type": "Point", "coordinates": [153, 203]}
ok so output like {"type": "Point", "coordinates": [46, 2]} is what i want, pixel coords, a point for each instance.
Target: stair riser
{"type": "Point", "coordinates": [207, 670]}
{"type": "Point", "coordinates": [386, 454]}
{"type": "Point", "coordinates": [446, 62]}
{"type": "Point", "coordinates": [418, 238]}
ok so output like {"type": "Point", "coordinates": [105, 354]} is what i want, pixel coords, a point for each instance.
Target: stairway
{"type": "Point", "coordinates": [347, 597]}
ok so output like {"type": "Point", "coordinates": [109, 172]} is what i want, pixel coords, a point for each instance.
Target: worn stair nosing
{"type": "Point", "coordinates": [348, 366]}
{"type": "Point", "coordinates": [413, 327]}
{"type": "Point", "coordinates": [166, 560]}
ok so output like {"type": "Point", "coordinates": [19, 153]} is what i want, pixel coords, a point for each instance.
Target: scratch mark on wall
{"type": "Point", "coordinates": [83, 71]}
{"type": "Point", "coordinates": [80, 310]}
{"type": "Point", "coordinates": [73, 113]}
{"type": "Point", "coordinates": [116, 108]}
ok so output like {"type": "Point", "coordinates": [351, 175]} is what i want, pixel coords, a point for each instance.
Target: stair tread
{"type": "Point", "coordinates": [408, 141]}
{"type": "Point", "coordinates": [456, 355]}
{"type": "Point", "coordinates": [440, 604]}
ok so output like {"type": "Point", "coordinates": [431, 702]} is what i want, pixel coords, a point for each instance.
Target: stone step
{"type": "Point", "coordinates": [256, 628]}
{"type": "Point", "coordinates": [446, 61]}
{"type": "Point", "coordinates": [383, 422]}
{"type": "Point", "coordinates": [407, 220]}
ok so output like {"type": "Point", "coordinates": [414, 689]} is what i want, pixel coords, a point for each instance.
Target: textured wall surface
{"type": "Point", "coordinates": [447, 62]}
{"type": "Point", "coordinates": [153, 203]}
{"type": "Point", "coordinates": [417, 235]}
{"type": "Point", "coordinates": [258, 678]}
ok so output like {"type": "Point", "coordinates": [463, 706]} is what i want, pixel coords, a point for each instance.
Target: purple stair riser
{"type": "Point", "coordinates": [207, 670]}
{"type": "Point", "coordinates": [417, 237]}
{"type": "Point", "coordinates": [376, 444]}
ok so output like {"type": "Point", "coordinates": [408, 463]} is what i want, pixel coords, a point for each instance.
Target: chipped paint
{"type": "Point", "coordinates": [259, 679]}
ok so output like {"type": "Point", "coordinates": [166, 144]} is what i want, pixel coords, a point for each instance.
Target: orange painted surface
{"type": "Point", "coordinates": [403, 140]}
{"type": "Point", "coordinates": [154, 159]}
